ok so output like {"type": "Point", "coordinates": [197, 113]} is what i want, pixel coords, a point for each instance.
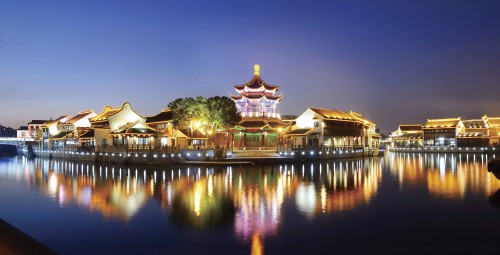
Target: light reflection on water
{"type": "Point", "coordinates": [250, 200]}
{"type": "Point", "coordinates": [449, 176]}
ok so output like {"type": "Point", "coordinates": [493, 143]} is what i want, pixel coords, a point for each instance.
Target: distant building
{"type": "Point", "coordinates": [493, 129]}
{"type": "Point", "coordinates": [99, 136]}
{"type": "Point", "coordinates": [51, 134]}
{"type": "Point", "coordinates": [168, 136]}
{"type": "Point", "coordinates": [35, 129]}
{"type": "Point", "coordinates": [408, 135]}
{"type": "Point", "coordinates": [442, 132]}
{"type": "Point", "coordinates": [128, 128]}
{"type": "Point", "coordinates": [327, 128]}
{"type": "Point", "coordinates": [474, 134]}
{"type": "Point", "coordinates": [22, 132]}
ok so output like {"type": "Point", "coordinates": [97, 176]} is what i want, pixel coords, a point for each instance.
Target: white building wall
{"type": "Point", "coordinates": [124, 116]}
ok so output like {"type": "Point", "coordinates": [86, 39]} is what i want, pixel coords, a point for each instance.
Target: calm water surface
{"type": "Point", "coordinates": [403, 202]}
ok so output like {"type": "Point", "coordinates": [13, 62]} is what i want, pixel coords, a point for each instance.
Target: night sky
{"type": "Point", "coordinates": [393, 61]}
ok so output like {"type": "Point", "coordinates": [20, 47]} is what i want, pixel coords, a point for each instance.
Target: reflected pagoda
{"type": "Point", "coordinates": [260, 126]}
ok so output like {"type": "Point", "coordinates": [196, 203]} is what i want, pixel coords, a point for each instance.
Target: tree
{"type": "Point", "coordinates": [214, 112]}
{"type": "Point", "coordinates": [186, 110]}
{"type": "Point", "coordinates": [222, 113]}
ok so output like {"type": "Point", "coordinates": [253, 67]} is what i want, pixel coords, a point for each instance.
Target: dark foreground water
{"type": "Point", "coordinates": [402, 203]}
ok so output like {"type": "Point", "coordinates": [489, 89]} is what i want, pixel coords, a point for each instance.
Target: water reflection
{"type": "Point", "coordinates": [450, 176]}
{"type": "Point", "coordinates": [254, 204]}
{"type": "Point", "coordinates": [250, 198]}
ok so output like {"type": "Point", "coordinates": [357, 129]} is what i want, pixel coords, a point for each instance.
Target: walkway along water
{"type": "Point", "coordinates": [207, 156]}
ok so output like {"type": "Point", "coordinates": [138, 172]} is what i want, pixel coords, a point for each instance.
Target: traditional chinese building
{"type": "Point", "coordinates": [442, 132]}
{"type": "Point", "coordinates": [75, 127]}
{"type": "Point", "coordinates": [121, 128]}
{"type": "Point", "coordinates": [50, 132]}
{"type": "Point", "coordinates": [261, 126]}
{"type": "Point", "coordinates": [35, 129]}
{"type": "Point", "coordinates": [474, 133]}
{"type": "Point", "coordinates": [408, 135]}
{"type": "Point", "coordinates": [493, 129]}
{"type": "Point", "coordinates": [327, 128]}
{"type": "Point", "coordinates": [168, 136]}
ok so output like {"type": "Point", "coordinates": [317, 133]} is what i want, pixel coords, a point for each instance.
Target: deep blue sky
{"type": "Point", "coordinates": [393, 61]}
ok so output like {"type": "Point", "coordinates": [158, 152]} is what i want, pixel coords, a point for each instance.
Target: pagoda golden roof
{"type": "Point", "coordinates": [256, 83]}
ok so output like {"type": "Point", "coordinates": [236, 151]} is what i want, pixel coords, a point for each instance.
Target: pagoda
{"type": "Point", "coordinates": [261, 126]}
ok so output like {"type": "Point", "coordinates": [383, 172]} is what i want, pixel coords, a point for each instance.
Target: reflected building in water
{"type": "Point", "coordinates": [250, 198]}
{"type": "Point", "coordinates": [446, 175]}
{"type": "Point", "coordinates": [338, 186]}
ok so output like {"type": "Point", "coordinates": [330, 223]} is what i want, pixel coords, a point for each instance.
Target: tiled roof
{"type": "Point", "coordinates": [164, 116]}
{"type": "Point", "coordinates": [442, 123]}
{"type": "Point", "coordinates": [102, 116]}
{"type": "Point", "coordinates": [130, 129]}
{"type": "Point", "coordinates": [288, 117]}
{"type": "Point", "coordinates": [255, 83]}
{"type": "Point", "coordinates": [409, 136]}
{"type": "Point", "coordinates": [38, 122]}
{"type": "Point", "coordinates": [332, 114]}
{"type": "Point", "coordinates": [474, 123]}
{"type": "Point", "coordinates": [79, 116]}
{"type": "Point", "coordinates": [360, 117]}
{"type": "Point", "coordinates": [60, 135]}
{"type": "Point", "coordinates": [256, 96]}
{"type": "Point", "coordinates": [261, 123]}
{"type": "Point", "coordinates": [410, 127]}
{"type": "Point", "coordinates": [471, 135]}
{"type": "Point", "coordinates": [23, 128]}
{"type": "Point", "coordinates": [301, 131]}
{"type": "Point", "coordinates": [57, 120]}
{"type": "Point", "coordinates": [494, 122]}
{"type": "Point", "coordinates": [252, 124]}
{"type": "Point", "coordinates": [88, 134]}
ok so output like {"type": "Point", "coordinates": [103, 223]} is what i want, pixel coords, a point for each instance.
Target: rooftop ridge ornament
{"type": "Point", "coordinates": [256, 68]}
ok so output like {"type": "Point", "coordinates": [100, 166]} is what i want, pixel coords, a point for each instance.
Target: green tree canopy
{"type": "Point", "coordinates": [213, 113]}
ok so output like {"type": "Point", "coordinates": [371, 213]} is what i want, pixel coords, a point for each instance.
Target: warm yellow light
{"type": "Point", "coordinates": [280, 130]}
{"type": "Point", "coordinates": [197, 200]}
{"type": "Point", "coordinates": [197, 124]}
{"type": "Point", "coordinates": [256, 68]}
{"type": "Point", "coordinates": [210, 132]}
{"type": "Point", "coordinates": [257, 247]}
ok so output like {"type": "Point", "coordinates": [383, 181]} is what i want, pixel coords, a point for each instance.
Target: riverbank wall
{"type": "Point", "coordinates": [204, 156]}
{"type": "Point", "coordinates": [446, 149]}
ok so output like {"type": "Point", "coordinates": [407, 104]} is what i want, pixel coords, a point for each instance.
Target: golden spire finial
{"type": "Point", "coordinates": [256, 68]}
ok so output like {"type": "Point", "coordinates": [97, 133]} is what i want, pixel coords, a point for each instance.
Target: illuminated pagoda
{"type": "Point", "coordinates": [260, 125]}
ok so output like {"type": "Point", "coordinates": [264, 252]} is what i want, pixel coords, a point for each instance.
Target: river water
{"type": "Point", "coordinates": [401, 203]}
